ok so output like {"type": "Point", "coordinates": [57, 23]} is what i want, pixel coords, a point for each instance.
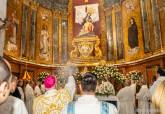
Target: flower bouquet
{"type": "Point", "coordinates": [135, 75]}
{"type": "Point", "coordinates": [106, 88]}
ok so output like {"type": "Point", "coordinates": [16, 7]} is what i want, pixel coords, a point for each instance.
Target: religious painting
{"type": "Point", "coordinates": [86, 19]}
{"type": "Point", "coordinates": [64, 41]}
{"type": "Point", "coordinates": [56, 40]}
{"type": "Point", "coordinates": [119, 36]}
{"type": "Point", "coordinates": [13, 32]}
{"type": "Point", "coordinates": [132, 29]}
{"type": "Point", "coordinates": [14, 28]}
{"type": "Point", "coordinates": [146, 32]}
{"type": "Point", "coordinates": [133, 34]}
{"type": "Point", "coordinates": [44, 47]}
{"type": "Point", "coordinates": [161, 5]}
{"type": "Point", "coordinates": [155, 15]}
{"type": "Point", "coordinates": [24, 31]}
{"type": "Point", "coordinates": [110, 43]}
{"type": "Point", "coordinates": [44, 42]}
{"type": "Point", "coordinates": [33, 35]}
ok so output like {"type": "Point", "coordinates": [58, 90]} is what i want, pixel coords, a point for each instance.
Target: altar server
{"type": "Point", "coordinates": [126, 99]}
{"type": "Point", "coordinates": [143, 99]}
{"type": "Point", "coordinates": [29, 96]}
{"type": "Point", "coordinates": [88, 103]}
{"type": "Point", "coordinates": [37, 90]}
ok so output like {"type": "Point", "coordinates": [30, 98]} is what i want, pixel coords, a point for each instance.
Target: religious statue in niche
{"type": "Point", "coordinates": [12, 42]}
{"type": "Point", "coordinates": [44, 43]}
{"type": "Point", "coordinates": [86, 16]}
{"type": "Point", "coordinates": [133, 35]}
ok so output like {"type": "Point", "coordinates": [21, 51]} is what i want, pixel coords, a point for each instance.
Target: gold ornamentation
{"type": "Point", "coordinates": [52, 103]}
{"type": "Point", "coordinates": [86, 49]}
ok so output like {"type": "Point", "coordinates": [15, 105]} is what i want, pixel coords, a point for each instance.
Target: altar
{"type": "Point", "coordinates": [86, 49]}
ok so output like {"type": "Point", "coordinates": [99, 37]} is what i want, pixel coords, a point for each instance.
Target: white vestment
{"type": "Point", "coordinates": [53, 101]}
{"type": "Point", "coordinates": [37, 91]}
{"type": "Point", "coordinates": [22, 93]}
{"type": "Point", "coordinates": [126, 100]}
{"type": "Point", "coordinates": [152, 89]}
{"type": "Point", "coordinates": [13, 105]}
{"type": "Point", "coordinates": [43, 89]}
{"type": "Point", "coordinates": [155, 84]}
{"type": "Point", "coordinates": [89, 104]}
{"type": "Point", "coordinates": [133, 91]}
{"type": "Point", "coordinates": [143, 97]}
{"type": "Point", "coordinates": [29, 95]}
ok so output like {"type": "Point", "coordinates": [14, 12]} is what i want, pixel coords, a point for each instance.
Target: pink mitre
{"type": "Point", "coordinates": [50, 81]}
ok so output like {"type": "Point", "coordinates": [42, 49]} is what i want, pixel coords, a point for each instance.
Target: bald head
{"type": "Point", "coordinates": [5, 70]}
{"type": "Point", "coordinates": [5, 75]}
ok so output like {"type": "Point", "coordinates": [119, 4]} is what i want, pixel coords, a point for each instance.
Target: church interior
{"type": "Point", "coordinates": [115, 39]}
{"type": "Point", "coordinates": [46, 35]}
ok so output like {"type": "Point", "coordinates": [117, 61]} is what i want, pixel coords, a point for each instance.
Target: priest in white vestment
{"type": "Point", "coordinates": [161, 77]}
{"type": "Point", "coordinates": [20, 85]}
{"type": "Point", "coordinates": [13, 105]}
{"type": "Point", "coordinates": [88, 103]}
{"type": "Point", "coordinates": [133, 90]}
{"type": "Point", "coordinates": [126, 97]}
{"type": "Point", "coordinates": [143, 100]}
{"type": "Point", "coordinates": [37, 90]}
{"type": "Point", "coordinates": [53, 101]}
{"type": "Point", "coordinates": [29, 96]}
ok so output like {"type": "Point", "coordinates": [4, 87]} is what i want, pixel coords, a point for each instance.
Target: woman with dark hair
{"type": "Point", "coordinates": [133, 34]}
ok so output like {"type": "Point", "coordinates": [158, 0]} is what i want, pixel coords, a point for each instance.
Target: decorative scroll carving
{"type": "Point", "coordinates": [86, 49]}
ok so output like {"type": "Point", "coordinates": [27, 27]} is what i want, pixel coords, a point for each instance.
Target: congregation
{"type": "Point", "coordinates": [19, 97]}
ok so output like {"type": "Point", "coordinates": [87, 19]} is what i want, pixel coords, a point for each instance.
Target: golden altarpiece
{"type": "Point", "coordinates": [69, 42]}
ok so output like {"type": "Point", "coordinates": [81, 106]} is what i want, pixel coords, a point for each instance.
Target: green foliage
{"type": "Point", "coordinates": [42, 76]}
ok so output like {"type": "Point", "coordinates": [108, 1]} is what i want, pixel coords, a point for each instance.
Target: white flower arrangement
{"type": "Point", "coordinates": [135, 75]}
{"type": "Point", "coordinates": [106, 88]}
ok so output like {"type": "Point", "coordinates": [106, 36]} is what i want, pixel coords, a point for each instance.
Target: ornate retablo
{"type": "Point", "coordinates": [86, 49]}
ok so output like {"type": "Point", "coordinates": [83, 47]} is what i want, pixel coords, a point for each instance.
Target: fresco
{"type": "Point", "coordinates": [86, 16]}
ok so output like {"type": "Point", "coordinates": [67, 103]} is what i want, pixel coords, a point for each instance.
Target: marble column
{"type": "Point", "coordinates": [3, 6]}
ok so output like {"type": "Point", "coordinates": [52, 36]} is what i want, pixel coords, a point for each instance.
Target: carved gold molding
{"type": "Point", "coordinates": [86, 49]}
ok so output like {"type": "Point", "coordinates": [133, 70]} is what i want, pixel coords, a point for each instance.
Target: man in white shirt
{"type": "Point", "coordinates": [88, 103]}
